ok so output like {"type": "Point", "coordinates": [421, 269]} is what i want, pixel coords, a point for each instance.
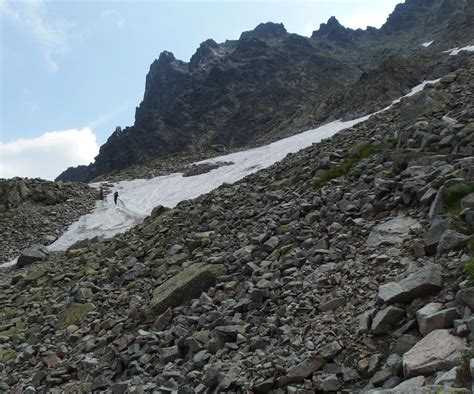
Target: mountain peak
{"type": "Point", "coordinates": [333, 31]}
{"type": "Point", "coordinates": [265, 30]}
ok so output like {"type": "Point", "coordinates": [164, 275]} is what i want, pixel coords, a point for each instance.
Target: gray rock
{"type": "Point", "coordinates": [330, 350]}
{"type": "Point", "coordinates": [466, 296]}
{"type": "Point", "coordinates": [381, 376]}
{"type": "Point", "coordinates": [188, 284]}
{"type": "Point", "coordinates": [434, 234]}
{"type": "Point", "coordinates": [448, 378]}
{"type": "Point", "coordinates": [333, 304]}
{"type": "Point", "coordinates": [302, 371]}
{"type": "Point", "coordinates": [393, 232]}
{"type": "Point", "coordinates": [421, 283]}
{"type": "Point", "coordinates": [436, 351]}
{"type": "Point", "coordinates": [432, 317]}
{"type": "Point", "coordinates": [412, 383]}
{"type": "Point", "coordinates": [437, 206]}
{"type": "Point", "coordinates": [32, 254]}
{"type": "Point", "coordinates": [326, 383]}
{"type": "Point", "coordinates": [387, 319]}
{"type": "Point", "coordinates": [451, 240]}
{"type": "Point", "coordinates": [467, 201]}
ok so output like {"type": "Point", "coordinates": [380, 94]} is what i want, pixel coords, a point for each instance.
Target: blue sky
{"type": "Point", "coordinates": [79, 67]}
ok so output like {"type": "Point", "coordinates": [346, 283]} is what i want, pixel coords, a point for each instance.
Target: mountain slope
{"type": "Point", "coordinates": [337, 269]}
{"type": "Point", "coordinates": [271, 82]}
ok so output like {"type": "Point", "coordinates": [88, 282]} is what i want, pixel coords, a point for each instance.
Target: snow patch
{"type": "Point", "coordinates": [455, 51]}
{"type": "Point", "coordinates": [138, 197]}
{"type": "Point", "coordinates": [427, 44]}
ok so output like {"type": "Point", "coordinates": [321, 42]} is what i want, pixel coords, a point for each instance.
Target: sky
{"type": "Point", "coordinates": [71, 71]}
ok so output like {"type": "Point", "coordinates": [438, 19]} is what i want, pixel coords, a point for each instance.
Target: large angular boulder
{"type": "Point", "coordinates": [421, 283]}
{"type": "Point", "coordinates": [186, 285]}
{"type": "Point", "coordinates": [30, 255]}
{"type": "Point", "coordinates": [439, 350]}
{"type": "Point", "coordinates": [433, 316]}
{"type": "Point", "coordinates": [393, 232]}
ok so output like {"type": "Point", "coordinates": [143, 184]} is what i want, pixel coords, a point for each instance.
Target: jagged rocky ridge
{"type": "Point", "coordinates": [273, 285]}
{"type": "Point", "coordinates": [38, 211]}
{"type": "Point", "coordinates": [270, 82]}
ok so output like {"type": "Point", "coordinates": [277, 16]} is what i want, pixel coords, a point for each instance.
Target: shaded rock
{"type": "Point", "coordinates": [386, 320]}
{"type": "Point", "coordinates": [434, 234]}
{"type": "Point", "coordinates": [451, 240]}
{"type": "Point", "coordinates": [466, 296]}
{"type": "Point", "coordinates": [32, 254]}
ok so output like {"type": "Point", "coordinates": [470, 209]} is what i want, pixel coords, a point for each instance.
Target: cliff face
{"type": "Point", "coordinates": [269, 82]}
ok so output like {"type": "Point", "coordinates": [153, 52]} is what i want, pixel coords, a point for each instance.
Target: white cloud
{"type": "Point", "coordinates": [47, 155]}
{"type": "Point", "coordinates": [116, 17]}
{"type": "Point", "coordinates": [32, 15]}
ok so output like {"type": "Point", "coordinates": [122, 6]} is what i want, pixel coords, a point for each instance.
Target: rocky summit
{"type": "Point", "coordinates": [270, 83]}
{"type": "Point", "coordinates": [346, 267]}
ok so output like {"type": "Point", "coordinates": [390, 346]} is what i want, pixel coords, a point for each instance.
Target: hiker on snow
{"type": "Point", "coordinates": [115, 197]}
{"type": "Point", "coordinates": [101, 193]}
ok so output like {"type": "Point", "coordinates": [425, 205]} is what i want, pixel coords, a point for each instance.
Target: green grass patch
{"type": "Point", "coordinates": [345, 166]}
{"type": "Point", "coordinates": [469, 269]}
{"type": "Point", "coordinates": [453, 195]}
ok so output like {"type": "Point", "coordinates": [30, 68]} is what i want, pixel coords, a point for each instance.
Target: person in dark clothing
{"type": "Point", "coordinates": [101, 193]}
{"type": "Point", "coordinates": [115, 197]}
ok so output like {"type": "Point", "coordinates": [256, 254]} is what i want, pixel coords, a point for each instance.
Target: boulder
{"type": "Point", "coordinates": [302, 371]}
{"type": "Point", "coordinates": [466, 296]}
{"type": "Point", "coordinates": [437, 351]}
{"type": "Point", "coordinates": [434, 234]}
{"type": "Point", "coordinates": [393, 232]}
{"type": "Point", "coordinates": [432, 317]}
{"type": "Point", "coordinates": [421, 283]}
{"type": "Point", "coordinates": [451, 240]}
{"type": "Point", "coordinates": [186, 285]}
{"type": "Point", "coordinates": [32, 254]}
{"type": "Point", "coordinates": [387, 319]}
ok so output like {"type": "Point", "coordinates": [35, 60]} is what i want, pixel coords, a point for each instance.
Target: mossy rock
{"type": "Point", "coordinates": [7, 355]}
{"type": "Point", "coordinates": [34, 275]}
{"type": "Point", "coordinates": [186, 285]}
{"type": "Point", "coordinates": [274, 256]}
{"type": "Point", "coordinates": [74, 314]}
{"type": "Point", "coordinates": [283, 229]}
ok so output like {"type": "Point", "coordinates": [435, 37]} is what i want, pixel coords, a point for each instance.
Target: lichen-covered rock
{"type": "Point", "coordinates": [186, 285]}
{"type": "Point", "coordinates": [74, 314]}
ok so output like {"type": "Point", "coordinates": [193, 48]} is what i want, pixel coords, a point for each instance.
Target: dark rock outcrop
{"type": "Point", "coordinates": [270, 83]}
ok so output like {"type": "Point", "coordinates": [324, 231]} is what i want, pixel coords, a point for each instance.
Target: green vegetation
{"type": "Point", "coordinates": [469, 269]}
{"type": "Point", "coordinates": [453, 195]}
{"type": "Point", "coordinates": [469, 266]}
{"type": "Point", "coordinates": [344, 167]}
